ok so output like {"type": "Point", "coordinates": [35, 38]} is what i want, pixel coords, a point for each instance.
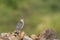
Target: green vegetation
{"type": "Point", "coordinates": [38, 15]}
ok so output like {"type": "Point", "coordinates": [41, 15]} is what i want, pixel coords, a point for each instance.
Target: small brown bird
{"type": "Point", "coordinates": [20, 24]}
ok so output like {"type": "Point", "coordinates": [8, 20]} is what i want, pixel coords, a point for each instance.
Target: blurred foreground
{"type": "Point", "coordinates": [47, 34]}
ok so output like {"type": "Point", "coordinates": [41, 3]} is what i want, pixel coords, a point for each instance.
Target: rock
{"type": "Point", "coordinates": [27, 38]}
{"type": "Point", "coordinates": [34, 37]}
{"type": "Point", "coordinates": [48, 34]}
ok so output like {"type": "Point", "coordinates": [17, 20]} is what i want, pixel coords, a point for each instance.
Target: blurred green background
{"type": "Point", "coordinates": [38, 15]}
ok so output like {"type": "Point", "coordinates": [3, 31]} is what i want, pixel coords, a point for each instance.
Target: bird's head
{"type": "Point", "coordinates": [22, 19]}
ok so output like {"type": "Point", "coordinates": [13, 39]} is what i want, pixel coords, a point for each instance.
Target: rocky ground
{"type": "Point", "coordinates": [47, 34]}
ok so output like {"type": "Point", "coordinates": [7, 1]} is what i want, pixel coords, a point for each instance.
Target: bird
{"type": "Point", "coordinates": [20, 24]}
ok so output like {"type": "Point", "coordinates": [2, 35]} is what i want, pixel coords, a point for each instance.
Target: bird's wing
{"type": "Point", "coordinates": [19, 26]}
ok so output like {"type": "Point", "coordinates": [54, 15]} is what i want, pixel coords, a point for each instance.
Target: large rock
{"type": "Point", "coordinates": [48, 34]}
